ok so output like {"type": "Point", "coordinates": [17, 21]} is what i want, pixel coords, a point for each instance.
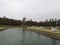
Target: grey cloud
{"type": "Point", "coordinates": [35, 9]}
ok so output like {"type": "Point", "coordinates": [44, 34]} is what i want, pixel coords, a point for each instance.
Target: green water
{"type": "Point", "coordinates": [16, 36]}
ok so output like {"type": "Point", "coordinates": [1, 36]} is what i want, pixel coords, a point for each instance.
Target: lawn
{"type": "Point", "coordinates": [3, 27]}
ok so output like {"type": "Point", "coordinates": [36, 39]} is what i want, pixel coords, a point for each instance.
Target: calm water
{"type": "Point", "coordinates": [16, 36]}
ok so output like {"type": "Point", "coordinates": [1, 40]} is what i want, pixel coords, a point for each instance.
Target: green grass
{"type": "Point", "coordinates": [2, 27]}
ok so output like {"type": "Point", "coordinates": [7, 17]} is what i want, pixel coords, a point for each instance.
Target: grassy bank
{"type": "Point", "coordinates": [46, 31]}
{"type": "Point", "coordinates": [3, 27]}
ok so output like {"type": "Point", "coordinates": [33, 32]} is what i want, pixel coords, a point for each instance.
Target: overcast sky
{"type": "Point", "coordinates": [31, 9]}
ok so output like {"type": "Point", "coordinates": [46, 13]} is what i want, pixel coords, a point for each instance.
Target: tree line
{"type": "Point", "coordinates": [24, 22]}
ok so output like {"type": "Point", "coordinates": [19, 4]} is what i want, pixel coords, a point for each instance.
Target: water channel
{"type": "Point", "coordinates": [16, 36]}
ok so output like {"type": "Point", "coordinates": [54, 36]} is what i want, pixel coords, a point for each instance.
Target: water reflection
{"type": "Point", "coordinates": [30, 38]}
{"type": "Point", "coordinates": [23, 37]}
{"type": "Point", "coordinates": [38, 38]}
{"type": "Point", "coordinates": [17, 36]}
{"type": "Point", "coordinates": [53, 42]}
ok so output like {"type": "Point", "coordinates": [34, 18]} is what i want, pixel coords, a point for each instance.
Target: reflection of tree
{"type": "Point", "coordinates": [23, 37]}
{"type": "Point", "coordinates": [53, 42]}
{"type": "Point", "coordinates": [38, 35]}
{"type": "Point", "coordinates": [30, 37]}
